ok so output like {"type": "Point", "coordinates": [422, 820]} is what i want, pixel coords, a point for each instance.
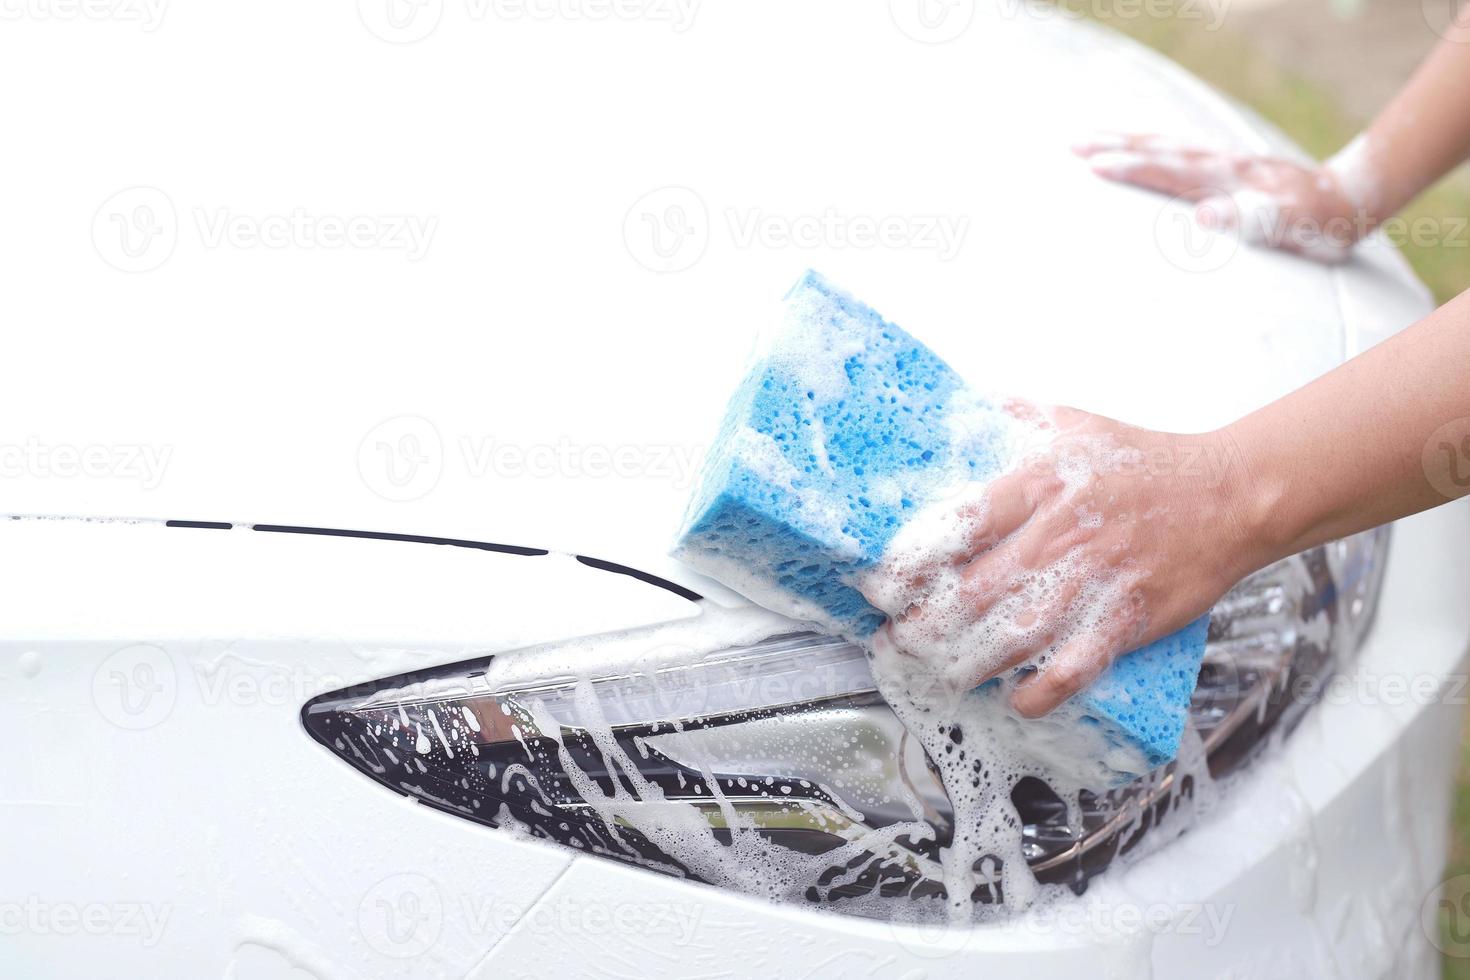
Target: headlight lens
{"type": "Point", "coordinates": [777, 769]}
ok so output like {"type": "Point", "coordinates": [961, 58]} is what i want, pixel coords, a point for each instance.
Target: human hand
{"type": "Point", "coordinates": [1105, 538]}
{"type": "Point", "coordinates": [1317, 212]}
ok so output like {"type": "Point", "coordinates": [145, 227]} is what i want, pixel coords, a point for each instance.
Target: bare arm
{"type": "Point", "coordinates": [1424, 132]}
{"type": "Point", "coordinates": [1421, 135]}
{"type": "Point", "coordinates": [1370, 442]}
{"type": "Point", "coordinates": [1113, 536]}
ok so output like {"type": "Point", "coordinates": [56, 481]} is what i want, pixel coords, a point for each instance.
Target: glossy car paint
{"type": "Point", "coordinates": [545, 375]}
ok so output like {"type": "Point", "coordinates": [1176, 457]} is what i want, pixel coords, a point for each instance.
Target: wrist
{"type": "Point", "coordinates": [1361, 178]}
{"type": "Point", "coordinates": [1251, 498]}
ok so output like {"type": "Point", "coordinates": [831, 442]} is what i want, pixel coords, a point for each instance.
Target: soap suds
{"type": "Point", "coordinates": [876, 794]}
{"type": "Point", "coordinates": [935, 650]}
{"type": "Point", "coordinates": [1356, 175]}
{"type": "Point", "coordinates": [851, 486]}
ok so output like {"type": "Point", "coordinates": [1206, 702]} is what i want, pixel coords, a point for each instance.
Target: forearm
{"type": "Point", "coordinates": [1422, 134]}
{"type": "Point", "coordinates": [1356, 448]}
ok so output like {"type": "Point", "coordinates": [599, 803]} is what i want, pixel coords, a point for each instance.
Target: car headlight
{"type": "Point", "coordinates": [776, 768]}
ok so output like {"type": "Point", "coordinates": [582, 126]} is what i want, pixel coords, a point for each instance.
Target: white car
{"type": "Point", "coordinates": [354, 394]}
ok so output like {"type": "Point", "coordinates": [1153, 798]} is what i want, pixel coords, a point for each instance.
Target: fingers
{"type": "Point", "coordinates": [1067, 417]}
{"type": "Point", "coordinates": [885, 648]}
{"type": "Point", "coordinates": [1158, 165]}
{"type": "Point", "coordinates": [1036, 628]}
{"type": "Point", "coordinates": [1193, 178]}
{"type": "Point", "coordinates": [1080, 661]}
{"type": "Point", "coordinates": [1009, 505]}
{"type": "Point", "coordinates": [1026, 411]}
{"type": "Point", "coordinates": [1107, 142]}
{"type": "Point", "coordinates": [1074, 667]}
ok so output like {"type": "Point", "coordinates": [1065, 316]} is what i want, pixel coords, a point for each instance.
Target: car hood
{"type": "Point", "coordinates": [545, 375]}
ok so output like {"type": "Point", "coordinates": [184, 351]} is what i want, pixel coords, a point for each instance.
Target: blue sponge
{"type": "Point", "coordinates": [843, 430]}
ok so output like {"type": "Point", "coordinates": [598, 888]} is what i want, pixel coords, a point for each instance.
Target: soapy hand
{"type": "Point", "coordinates": [1105, 538]}
{"type": "Point", "coordinates": [1267, 201]}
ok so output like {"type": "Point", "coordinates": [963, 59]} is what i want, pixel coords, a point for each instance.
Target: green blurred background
{"type": "Point", "coordinates": [1320, 69]}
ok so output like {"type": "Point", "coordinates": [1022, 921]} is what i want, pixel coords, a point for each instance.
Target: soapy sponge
{"type": "Point", "coordinates": [845, 428]}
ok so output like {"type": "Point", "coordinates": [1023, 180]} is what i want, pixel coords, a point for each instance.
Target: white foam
{"type": "Point", "coordinates": [1356, 174]}
{"type": "Point", "coordinates": [936, 648]}
{"type": "Point", "coordinates": [759, 453]}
